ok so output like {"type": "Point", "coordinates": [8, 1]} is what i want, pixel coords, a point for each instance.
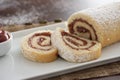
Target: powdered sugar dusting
{"type": "Point", "coordinates": [73, 55]}
{"type": "Point", "coordinates": [14, 13]}
{"type": "Point", "coordinates": [22, 17]}
{"type": "Point", "coordinates": [105, 20]}
{"type": "Point", "coordinates": [107, 14]}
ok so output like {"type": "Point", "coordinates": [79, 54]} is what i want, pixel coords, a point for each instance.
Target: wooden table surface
{"type": "Point", "coordinates": [24, 11]}
{"type": "Point", "coordinates": [21, 11]}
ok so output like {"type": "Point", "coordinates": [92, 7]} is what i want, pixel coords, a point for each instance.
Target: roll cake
{"type": "Point", "coordinates": [37, 47]}
{"type": "Point", "coordinates": [100, 24]}
{"type": "Point", "coordinates": [73, 48]}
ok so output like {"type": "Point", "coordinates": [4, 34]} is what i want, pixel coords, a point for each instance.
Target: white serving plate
{"type": "Point", "coordinates": [14, 66]}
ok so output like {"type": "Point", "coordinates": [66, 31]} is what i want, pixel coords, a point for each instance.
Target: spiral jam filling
{"type": "Point", "coordinates": [82, 30]}
{"type": "Point", "coordinates": [76, 42]}
{"type": "Point", "coordinates": [40, 41]}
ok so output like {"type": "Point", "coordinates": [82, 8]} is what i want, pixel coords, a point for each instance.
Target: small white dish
{"type": "Point", "coordinates": [6, 45]}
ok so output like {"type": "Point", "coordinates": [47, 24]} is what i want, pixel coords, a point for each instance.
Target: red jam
{"type": "Point", "coordinates": [63, 33]}
{"type": "Point", "coordinates": [3, 36]}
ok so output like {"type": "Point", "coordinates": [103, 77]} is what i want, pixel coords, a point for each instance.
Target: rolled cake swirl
{"type": "Point", "coordinates": [37, 46]}
{"type": "Point", "coordinates": [73, 48]}
{"type": "Point", "coordinates": [101, 24]}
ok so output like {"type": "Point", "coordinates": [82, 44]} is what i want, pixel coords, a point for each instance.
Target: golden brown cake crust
{"type": "Point", "coordinates": [105, 21]}
{"type": "Point", "coordinates": [41, 51]}
{"type": "Point", "coordinates": [75, 49]}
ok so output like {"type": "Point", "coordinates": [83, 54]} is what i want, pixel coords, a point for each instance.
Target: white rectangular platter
{"type": "Point", "coordinates": [14, 66]}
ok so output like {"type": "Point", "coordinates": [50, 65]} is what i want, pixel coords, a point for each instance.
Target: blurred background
{"type": "Point", "coordinates": [24, 11]}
